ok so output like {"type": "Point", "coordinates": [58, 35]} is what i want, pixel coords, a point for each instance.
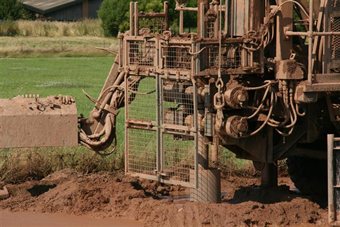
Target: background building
{"type": "Point", "coordinates": [64, 10]}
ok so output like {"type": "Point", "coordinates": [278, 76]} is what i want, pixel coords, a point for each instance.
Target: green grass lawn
{"type": "Point", "coordinates": [54, 76]}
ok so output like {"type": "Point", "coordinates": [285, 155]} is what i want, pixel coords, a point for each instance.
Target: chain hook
{"type": "Point", "coordinates": [219, 84]}
{"type": "Point", "coordinates": [219, 101]}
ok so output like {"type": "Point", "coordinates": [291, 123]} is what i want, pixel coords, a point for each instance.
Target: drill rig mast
{"type": "Point", "coordinates": [241, 81]}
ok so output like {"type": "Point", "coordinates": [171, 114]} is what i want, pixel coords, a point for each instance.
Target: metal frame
{"type": "Point", "coordinates": [333, 160]}
{"type": "Point", "coordinates": [178, 59]}
{"type": "Point", "coordinates": [311, 34]}
{"type": "Point", "coordinates": [183, 59]}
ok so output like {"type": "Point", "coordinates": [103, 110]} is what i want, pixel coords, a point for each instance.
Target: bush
{"type": "Point", "coordinates": [8, 28]}
{"type": "Point", "coordinates": [11, 10]}
{"type": "Point", "coordinates": [114, 16]}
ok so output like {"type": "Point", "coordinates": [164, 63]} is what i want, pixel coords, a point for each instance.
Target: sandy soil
{"type": "Point", "coordinates": [32, 219]}
{"type": "Point", "coordinates": [113, 195]}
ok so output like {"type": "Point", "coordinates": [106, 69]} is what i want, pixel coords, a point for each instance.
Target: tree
{"type": "Point", "coordinates": [150, 5]}
{"type": "Point", "coordinates": [11, 10]}
{"type": "Point", "coordinates": [115, 14]}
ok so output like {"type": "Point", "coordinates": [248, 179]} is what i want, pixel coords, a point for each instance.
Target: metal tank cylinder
{"type": "Point", "coordinates": [208, 188]}
{"type": "Point", "coordinates": [245, 16]}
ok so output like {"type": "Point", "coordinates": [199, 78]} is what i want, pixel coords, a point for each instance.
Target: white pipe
{"type": "Point", "coordinates": [310, 44]}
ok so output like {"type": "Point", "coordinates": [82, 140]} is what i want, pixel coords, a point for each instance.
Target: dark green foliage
{"type": "Point", "coordinates": [11, 10]}
{"type": "Point", "coordinates": [190, 19]}
{"type": "Point", "coordinates": [150, 5]}
{"type": "Point", "coordinates": [115, 14]}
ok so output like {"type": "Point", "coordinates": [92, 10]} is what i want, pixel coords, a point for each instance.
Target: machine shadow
{"type": "Point", "coordinates": [271, 196]}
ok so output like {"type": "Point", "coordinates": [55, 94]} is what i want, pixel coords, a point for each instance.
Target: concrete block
{"type": "Point", "coordinates": [38, 122]}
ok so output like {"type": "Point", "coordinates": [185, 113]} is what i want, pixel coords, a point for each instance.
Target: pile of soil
{"type": "Point", "coordinates": [115, 195]}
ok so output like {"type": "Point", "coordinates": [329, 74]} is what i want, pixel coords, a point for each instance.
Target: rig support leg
{"type": "Point", "coordinates": [269, 172]}
{"type": "Point", "coordinates": [269, 175]}
{"type": "Point", "coordinates": [209, 179]}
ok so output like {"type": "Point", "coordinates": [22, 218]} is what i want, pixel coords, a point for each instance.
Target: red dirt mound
{"type": "Point", "coordinates": [113, 195]}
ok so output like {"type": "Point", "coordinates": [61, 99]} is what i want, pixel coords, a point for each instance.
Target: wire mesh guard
{"type": "Point", "coordinates": [142, 153]}
{"type": "Point", "coordinates": [179, 159]}
{"type": "Point", "coordinates": [161, 148]}
{"type": "Point", "coordinates": [177, 103]}
{"type": "Point", "coordinates": [336, 39]}
{"type": "Point", "coordinates": [231, 56]}
{"type": "Point", "coordinates": [141, 141]}
{"type": "Point", "coordinates": [155, 25]}
{"type": "Point", "coordinates": [142, 97]}
{"type": "Point", "coordinates": [177, 57]}
{"type": "Point", "coordinates": [211, 28]}
{"type": "Point", "coordinates": [178, 118]}
{"type": "Point", "coordinates": [141, 53]}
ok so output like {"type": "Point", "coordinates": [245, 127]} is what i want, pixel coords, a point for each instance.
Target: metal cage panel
{"type": "Point", "coordinates": [141, 138]}
{"type": "Point", "coordinates": [177, 103]}
{"type": "Point", "coordinates": [179, 158]}
{"type": "Point", "coordinates": [176, 57]}
{"type": "Point", "coordinates": [161, 136]}
{"type": "Point", "coordinates": [335, 40]}
{"type": "Point", "coordinates": [232, 57]}
{"type": "Point", "coordinates": [142, 100]}
{"type": "Point", "coordinates": [210, 29]}
{"type": "Point", "coordinates": [142, 155]}
{"type": "Point", "coordinates": [155, 25]}
{"type": "Point", "coordinates": [141, 53]}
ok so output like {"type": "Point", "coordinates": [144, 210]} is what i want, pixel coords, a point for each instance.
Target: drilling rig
{"type": "Point", "coordinates": [258, 77]}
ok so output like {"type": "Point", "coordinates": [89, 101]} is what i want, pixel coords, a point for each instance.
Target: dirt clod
{"type": "Point", "coordinates": [4, 194]}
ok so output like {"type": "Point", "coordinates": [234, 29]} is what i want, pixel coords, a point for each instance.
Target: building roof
{"type": "Point", "coordinates": [46, 6]}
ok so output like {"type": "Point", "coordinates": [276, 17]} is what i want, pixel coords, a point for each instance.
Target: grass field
{"type": "Point", "coordinates": [40, 28]}
{"type": "Point", "coordinates": [55, 46]}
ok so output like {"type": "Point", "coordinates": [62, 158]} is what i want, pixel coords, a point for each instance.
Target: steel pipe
{"type": "Point", "coordinates": [192, 9]}
{"type": "Point", "coordinates": [292, 33]}
{"type": "Point", "coordinates": [310, 44]}
{"type": "Point", "coordinates": [132, 21]}
{"type": "Point", "coordinates": [331, 205]}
